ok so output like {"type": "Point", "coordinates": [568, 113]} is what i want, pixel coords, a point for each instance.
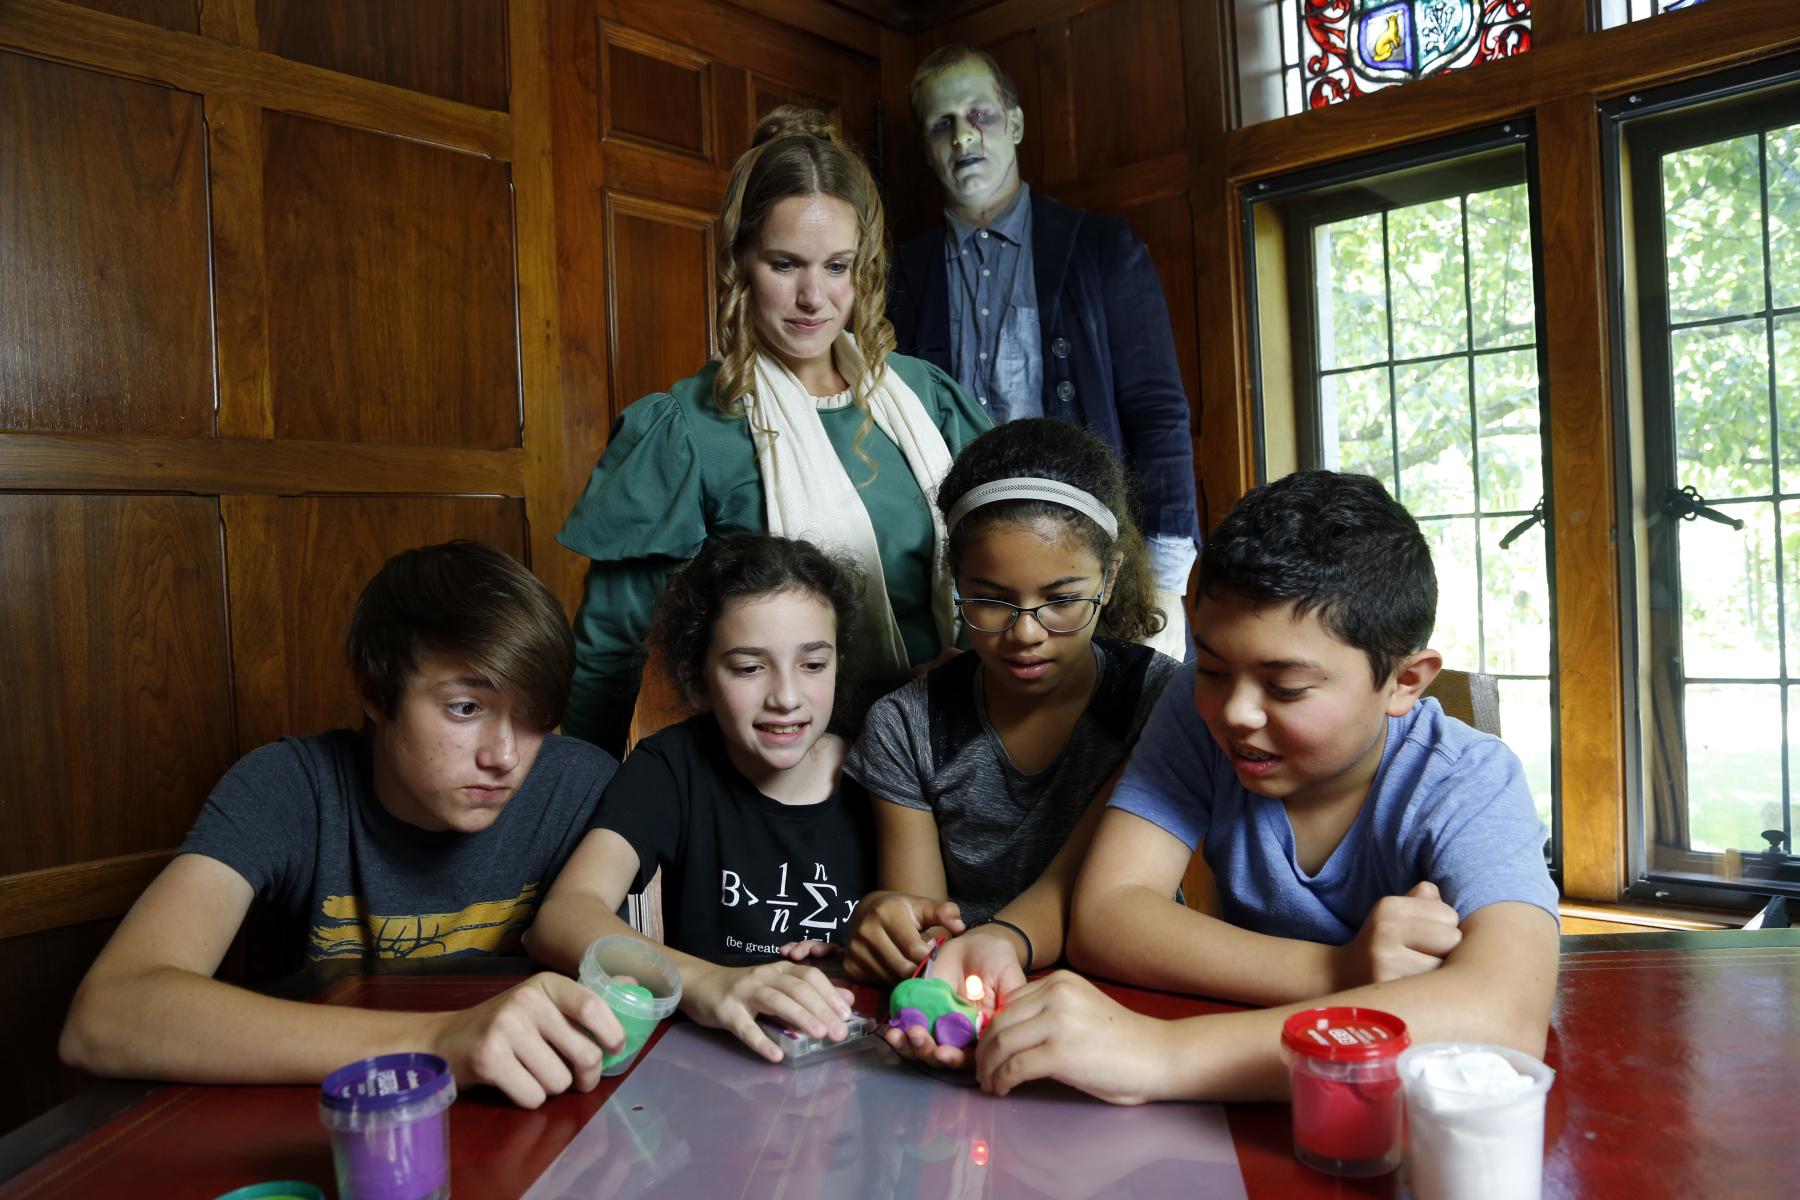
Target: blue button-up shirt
{"type": "Point", "coordinates": [995, 339]}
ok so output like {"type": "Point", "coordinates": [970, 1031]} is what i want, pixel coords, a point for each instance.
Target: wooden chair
{"type": "Point", "coordinates": [1470, 698]}
{"type": "Point", "coordinates": [659, 705]}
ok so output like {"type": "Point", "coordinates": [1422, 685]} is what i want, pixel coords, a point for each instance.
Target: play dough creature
{"type": "Point", "coordinates": [933, 1005]}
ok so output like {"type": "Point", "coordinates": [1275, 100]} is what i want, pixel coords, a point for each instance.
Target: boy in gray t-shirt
{"type": "Point", "coordinates": [432, 831]}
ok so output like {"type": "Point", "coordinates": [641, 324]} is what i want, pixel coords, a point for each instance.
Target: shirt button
{"type": "Point", "coordinates": [984, 312]}
{"type": "Point", "coordinates": [1065, 390]}
{"type": "Point", "coordinates": [984, 355]}
{"type": "Point", "coordinates": [985, 272]}
{"type": "Point", "coordinates": [984, 233]}
{"type": "Point", "coordinates": [983, 399]}
{"type": "Point", "coordinates": [1060, 347]}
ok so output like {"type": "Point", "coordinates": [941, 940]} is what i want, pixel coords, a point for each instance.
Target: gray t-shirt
{"type": "Point", "coordinates": [298, 819]}
{"type": "Point", "coordinates": [930, 746]}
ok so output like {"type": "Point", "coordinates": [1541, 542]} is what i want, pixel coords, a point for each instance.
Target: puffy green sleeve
{"type": "Point", "coordinates": [957, 414]}
{"type": "Point", "coordinates": [641, 516]}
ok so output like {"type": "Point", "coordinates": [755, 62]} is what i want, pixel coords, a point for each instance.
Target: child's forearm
{"type": "Point", "coordinates": [166, 1022]}
{"type": "Point", "coordinates": [1138, 936]}
{"type": "Point", "coordinates": [567, 924]}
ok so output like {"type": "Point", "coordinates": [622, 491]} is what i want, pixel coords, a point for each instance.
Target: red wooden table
{"type": "Point", "coordinates": [1677, 1055]}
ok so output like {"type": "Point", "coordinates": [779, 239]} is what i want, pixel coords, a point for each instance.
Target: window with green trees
{"type": "Point", "coordinates": [1411, 301]}
{"type": "Point", "coordinates": [1712, 189]}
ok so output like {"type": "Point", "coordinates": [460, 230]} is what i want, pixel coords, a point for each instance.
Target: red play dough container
{"type": "Point", "coordinates": [1343, 1063]}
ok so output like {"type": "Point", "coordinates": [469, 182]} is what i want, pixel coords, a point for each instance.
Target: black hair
{"type": "Point", "coordinates": [1046, 448]}
{"type": "Point", "coordinates": [746, 565]}
{"type": "Point", "coordinates": [471, 602]}
{"type": "Point", "coordinates": [1337, 545]}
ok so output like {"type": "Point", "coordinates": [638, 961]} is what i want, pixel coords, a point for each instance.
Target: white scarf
{"type": "Point", "coordinates": [808, 492]}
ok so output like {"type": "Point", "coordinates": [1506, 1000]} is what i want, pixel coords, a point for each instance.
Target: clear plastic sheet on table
{"type": "Point", "coordinates": [701, 1117]}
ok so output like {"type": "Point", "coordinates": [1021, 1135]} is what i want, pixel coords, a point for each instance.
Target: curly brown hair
{"type": "Point", "coordinates": [1045, 448]}
{"type": "Point", "coordinates": [797, 152]}
{"type": "Point", "coordinates": [748, 565]}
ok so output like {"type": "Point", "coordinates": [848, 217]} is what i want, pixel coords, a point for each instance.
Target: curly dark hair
{"type": "Point", "coordinates": [470, 601]}
{"type": "Point", "coordinates": [1337, 545]}
{"type": "Point", "coordinates": [747, 565]}
{"type": "Point", "coordinates": [1046, 448]}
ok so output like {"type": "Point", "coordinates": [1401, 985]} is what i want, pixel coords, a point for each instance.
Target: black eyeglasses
{"type": "Point", "coordinates": [1056, 616]}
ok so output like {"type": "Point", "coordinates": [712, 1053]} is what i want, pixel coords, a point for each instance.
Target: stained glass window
{"type": "Point", "coordinates": [1353, 47]}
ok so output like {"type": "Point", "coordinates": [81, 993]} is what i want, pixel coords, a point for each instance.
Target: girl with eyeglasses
{"type": "Point", "coordinates": [990, 772]}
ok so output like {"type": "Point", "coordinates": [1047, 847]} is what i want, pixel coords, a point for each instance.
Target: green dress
{"type": "Point", "coordinates": [678, 472]}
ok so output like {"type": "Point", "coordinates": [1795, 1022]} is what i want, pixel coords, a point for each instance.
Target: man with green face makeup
{"type": "Point", "coordinates": [1039, 309]}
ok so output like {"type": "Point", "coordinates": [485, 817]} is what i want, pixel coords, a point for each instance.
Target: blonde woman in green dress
{"type": "Point", "coordinates": [807, 425]}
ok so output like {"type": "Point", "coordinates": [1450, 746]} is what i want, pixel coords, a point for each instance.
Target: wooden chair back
{"type": "Point", "coordinates": [1470, 698]}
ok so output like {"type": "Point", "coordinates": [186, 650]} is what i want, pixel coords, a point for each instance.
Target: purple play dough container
{"type": "Point", "coordinates": [389, 1135]}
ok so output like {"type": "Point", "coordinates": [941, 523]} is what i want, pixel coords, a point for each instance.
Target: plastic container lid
{"type": "Point", "coordinates": [277, 1189]}
{"type": "Point", "coordinates": [1345, 1034]}
{"type": "Point", "coordinates": [397, 1087]}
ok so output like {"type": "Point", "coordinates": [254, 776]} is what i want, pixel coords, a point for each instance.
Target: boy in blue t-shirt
{"type": "Point", "coordinates": [1368, 849]}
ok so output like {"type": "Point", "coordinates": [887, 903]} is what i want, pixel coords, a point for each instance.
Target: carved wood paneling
{"type": "Point", "coordinates": [655, 92]}
{"type": "Point", "coordinates": [1166, 226]}
{"type": "Point", "coordinates": [1126, 83]}
{"type": "Point", "coordinates": [38, 976]}
{"type": "Point", "coordinates": [660, 293]}
{"type": "Point", "coordinates": [104, 309]}
{"type": "Point", "coordinates": [450, 48]}
{"type": "Point", "coordinates": [179, 16]}
{"type": "Point", "coordinates": [112, 618]}
{"type": "Point", "coordinates": [391, 298]}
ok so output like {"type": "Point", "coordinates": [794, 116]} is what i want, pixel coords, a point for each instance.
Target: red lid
{"type": "Point", "coordinates": [1345, 1034]}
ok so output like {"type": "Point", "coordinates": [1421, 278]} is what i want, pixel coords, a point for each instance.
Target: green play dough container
{"type": "Point", "coordinates": [638, 983]}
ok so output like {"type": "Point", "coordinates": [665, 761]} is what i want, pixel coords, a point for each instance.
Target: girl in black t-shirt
{"type": "Point", "coordinates": [761, 840]}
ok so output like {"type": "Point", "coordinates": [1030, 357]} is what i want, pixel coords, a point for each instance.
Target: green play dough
{"type": "Point", "coordinates": [634, 1005]}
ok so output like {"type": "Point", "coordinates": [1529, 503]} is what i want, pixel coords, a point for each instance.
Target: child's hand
{"type": "Point", "coordinates": [887, 934]}
{"type": "Point", "coordinates": [1403, 936]}
{"type": "Point", "coordinates": [801, 951]}
{"type": "Point", "coordinates": [532, 1040]}
{"type": "Point", "coordinates": [1063, 1027]}
{"type": "Point", "coordinates": [798, 996]}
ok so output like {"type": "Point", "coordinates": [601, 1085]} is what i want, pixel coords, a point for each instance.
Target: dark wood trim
{"type": "Point", "coordinates": [1678, 45]}
{"type": "Point", "coordinates": [859, 32]}
{"type": "Point", "coordinates": [85, 38]}
{"type": "Point", "coordinates": [33, 901]}
{"type": "Point", "coordinates": [211, 466]}
{"type": "Point", "coordinates": [1554, 22]}
{"type": "Point", "coordinates": [547, 497]}
{"type": "Point", "coordinates": [254, 579]}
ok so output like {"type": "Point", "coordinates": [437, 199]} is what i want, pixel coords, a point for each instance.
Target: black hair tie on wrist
{"type": "Point", "coordinates": [1023, 936]}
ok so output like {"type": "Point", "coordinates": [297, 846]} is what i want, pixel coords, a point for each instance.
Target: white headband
{"type": "Point", "coordinates": [1034, 489]}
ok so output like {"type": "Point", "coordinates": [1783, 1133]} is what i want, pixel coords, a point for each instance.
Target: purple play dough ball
{"type": "Point", "coordinates": [954, 1029]}
{"type": "Point", "coordinates": [908, 1018]}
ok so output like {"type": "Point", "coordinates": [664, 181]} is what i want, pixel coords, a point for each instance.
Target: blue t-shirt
{"type": "Point", "coordinates": [1448, 804]}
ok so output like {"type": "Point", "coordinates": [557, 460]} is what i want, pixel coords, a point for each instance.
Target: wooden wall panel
{"type": "Point", "coordinates": [112, 619]}
{"type": "Point", "coordinates": [660, 293]}
{"type": "Point", "coordinates": [326, 549]}
{"type": "Point", "coordinates": [391, 294]}
{"type": "Point", "coordinates": [656, 93]}
{"type": "Point", "coordinates": [103, 301]}
{"type": "Point", "coordinates": [178, 16]}
{"type": "Point", "coordinates": [450, 48]}
{"type": "Point", "coordinates": [38, 977]}
{"type": "Point", "coordinates": [1017, 55]}
{"type": "Point", "coordinates": [1127, 83]}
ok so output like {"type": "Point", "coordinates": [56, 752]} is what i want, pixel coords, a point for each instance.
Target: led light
{"type": "Point", "coordinates": [972, 988]}
{"type": "Point", "coordinates": [978, 1151]}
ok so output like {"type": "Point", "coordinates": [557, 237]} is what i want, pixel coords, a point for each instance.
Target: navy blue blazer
{"type": "Point", "coordinates": [1109, 357]}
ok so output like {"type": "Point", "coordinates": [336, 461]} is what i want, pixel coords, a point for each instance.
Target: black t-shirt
{"type": "Point", "coordinates": [298, 819]}
{"type": "Point", "coordinates": [742, 873]}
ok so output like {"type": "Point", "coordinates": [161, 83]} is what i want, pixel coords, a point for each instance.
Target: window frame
{"type": "Point", "coordinates": [1638, 129]}
{"type": "Point", "coordinates": [1429, 170]}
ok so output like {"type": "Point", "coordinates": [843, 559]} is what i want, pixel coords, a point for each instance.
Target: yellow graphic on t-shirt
{"type": "Point", "coordinates": [346, 929]}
